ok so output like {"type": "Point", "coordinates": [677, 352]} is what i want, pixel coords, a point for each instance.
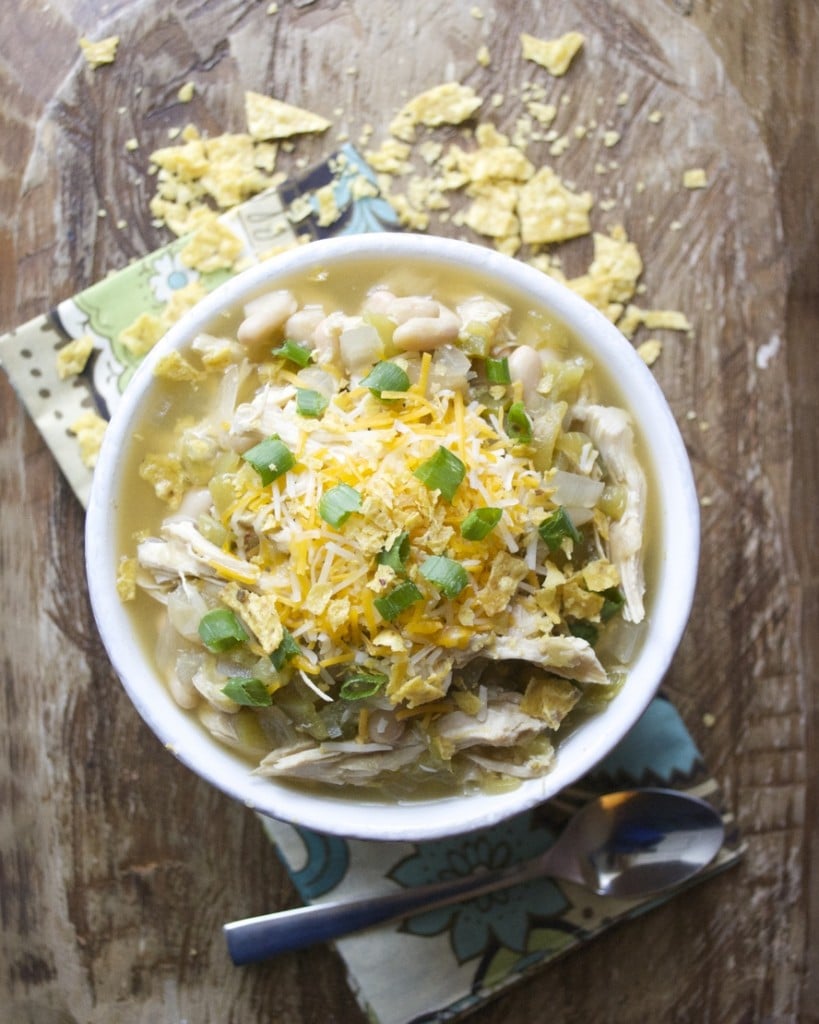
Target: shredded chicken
{"type": "Point", "coordinates": [610, 429]}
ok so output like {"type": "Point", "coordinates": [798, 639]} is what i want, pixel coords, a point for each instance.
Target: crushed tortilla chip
{"type": "Point", "coordinates": [212, 246]}
{"type": "Point", "coordinates": [73, 357]}
{"type": "Point", "coordinates": [549, 698]}
{"type": "Point", "coordinates": [649, 350]}
{"type": "Point", "coordinates": [174, 366]}
{"type": "Point", "coordinates": [139, 337]}
{"type": "Point", "coordinates": [126, 578]}
{"type": "Point", "coordinates": [695, 177]}
{"type": "Point", "coordinates": [611, 279]}
{"type": "Point", "coordinates": [89, 429]}
{"type": "Point", "coordinates": [103, 51]}
{"type": "Point", "coordinates": [549, 211]}
{"type": "Point", "coordinates": [553, 54]}
{"type": "Point", "coordinates": [258, 612]}
{"type": "Point", "coordinates": [269, 118]}
{"type": "Point", "coordinates": [167, 476]}
{"type": "Point", "coordinates": [181, 301]}
{"type": "Point", "coordinates": [654, 319]}
{"type": "Point", "coordinates": [450, 103]}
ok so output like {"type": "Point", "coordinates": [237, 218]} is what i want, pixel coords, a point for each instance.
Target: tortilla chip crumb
{"type": "Point", "coordinates": [182, 300]}
{"type": "Point", "coordinates": [73, 357]}
{"type": "Point", "coordinates": [167, 476]}
{"type": "Point", "coordinates": [103, 51]}
{"type": "Point", "coordinates": [126, 578]}
{"type": "Point", "coordinates": [212, 246]}
{"type": "Point", "coordinates": [550, 212]}
{"type": "Point", "coordinates": [186, 92]}
{"type": "Point", "coordinates": [649, 351]}
{"type": "Point", "coordinates": [553, 54]}
{"type": "Point", "coordinates": [139, 337]}
{"type": "Point", "coordinates": [654, 319]}
{"type": "Point", "coordinates": [174, 366]}
{"type": "Point", "coordinates": [695, 177]}
{"type": "Point", "coordinates": [449, 103]}
{"type": "Point", "coordinates": [89, 429]}
{"type": "Point", "coordinates": [269, 118]}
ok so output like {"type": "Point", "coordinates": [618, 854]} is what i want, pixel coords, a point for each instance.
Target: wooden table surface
{"type": "Point", "coordinates": [117, 865]}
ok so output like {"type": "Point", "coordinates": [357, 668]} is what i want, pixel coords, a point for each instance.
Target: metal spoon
{"type": "Point", "coordinates": [629, 845]}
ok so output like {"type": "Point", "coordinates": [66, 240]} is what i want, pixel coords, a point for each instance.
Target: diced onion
{"type": "Point", "coordinates": [575, 491]}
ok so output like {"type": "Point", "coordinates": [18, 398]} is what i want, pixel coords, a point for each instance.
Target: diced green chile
{"type": "Point", "coordinates": [358, 685]}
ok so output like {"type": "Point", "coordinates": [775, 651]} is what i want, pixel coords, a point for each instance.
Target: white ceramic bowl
{"type": "Point", "coordinates": [677, 540]}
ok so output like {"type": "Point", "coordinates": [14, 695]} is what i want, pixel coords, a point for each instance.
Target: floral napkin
{"type": "Point", "coordinates": [454, 959]}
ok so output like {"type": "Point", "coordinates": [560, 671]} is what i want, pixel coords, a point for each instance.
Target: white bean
{"type": "Point", "coordinates": [265, 316]}
{"type": "Point", "coordinates": [425, 333]}
{"type": "Point", "coordinates": [301, 326]}
{"type": "Point", "coordinates": [327, 333]}
{"type": "Point", "coordinates": [526, 366]}
{"type": "Point", "coordinates": [400, 309]}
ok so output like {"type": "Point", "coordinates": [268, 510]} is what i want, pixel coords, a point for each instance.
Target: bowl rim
{"type": "Point", "coordinates": [678, 513]}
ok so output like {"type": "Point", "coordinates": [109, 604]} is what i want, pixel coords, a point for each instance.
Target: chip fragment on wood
{"type": "Point", "coordinates": [449, 103]}
{"type": "Point", "coordinates": [553, 54]}
{"type": "Point", "coordinates": [269, 118]}
{"type": "Point", "coordinates": [103, 51]}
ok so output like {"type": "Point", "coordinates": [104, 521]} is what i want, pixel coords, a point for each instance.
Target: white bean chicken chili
{"type": "Point", "coordinates": [400, 545]}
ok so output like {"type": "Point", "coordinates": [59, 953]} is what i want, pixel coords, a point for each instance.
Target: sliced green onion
{"type": "Point", "coordinates": [584, 630]}
{"type": "Point", "coordinates": [449, 576]}
{"type": "Point", "coordinates": [293, 351]}
{"type": "Point", "coordinates": [497, 371]}
{"type": "Point", "coordinates": [396, 555]}
{"type": "Point", "coordinates": [358, 685]}
{"type": "Point", "coordinates": [443, 472]}
{"type": "Point", "coordinates": [480, 523]}
{"type": "Point", "coordinates": [557, 526]}
{"type": "Point", "coordinates": [310, 403]}
{"type": "Point", "coordinates": [518, 424]}
{"type": "Point", "coordinates": [252, 693]}
{"type": "Point", "coordinates": [220, 629]}
{"type": "Point", "coordinates": [399, 598]}
{"type": "Point", "coordinates": [613, 601]}
{"type": "Point", "coordinates": [338, 504]}
{"type": "Point", "coordinates": [270, 458]}
{"type": "Point", "coordinates": [287, 649]}
{"type": "Point", "coordinates": [386, 376]}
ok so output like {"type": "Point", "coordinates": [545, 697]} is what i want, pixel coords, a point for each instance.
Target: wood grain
{"type": "Point", "coordinates": [117, 865]}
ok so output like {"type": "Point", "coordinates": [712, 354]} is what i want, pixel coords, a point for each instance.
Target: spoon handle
{"type": "Point", "coordinates": [256, 938]}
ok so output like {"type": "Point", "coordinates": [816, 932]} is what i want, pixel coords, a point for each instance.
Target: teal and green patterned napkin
{"type": "Point", "coordinates": [451, 960]}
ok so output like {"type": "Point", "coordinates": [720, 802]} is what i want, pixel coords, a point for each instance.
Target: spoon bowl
{"type": "Point", "coordinates": [628, 845]}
